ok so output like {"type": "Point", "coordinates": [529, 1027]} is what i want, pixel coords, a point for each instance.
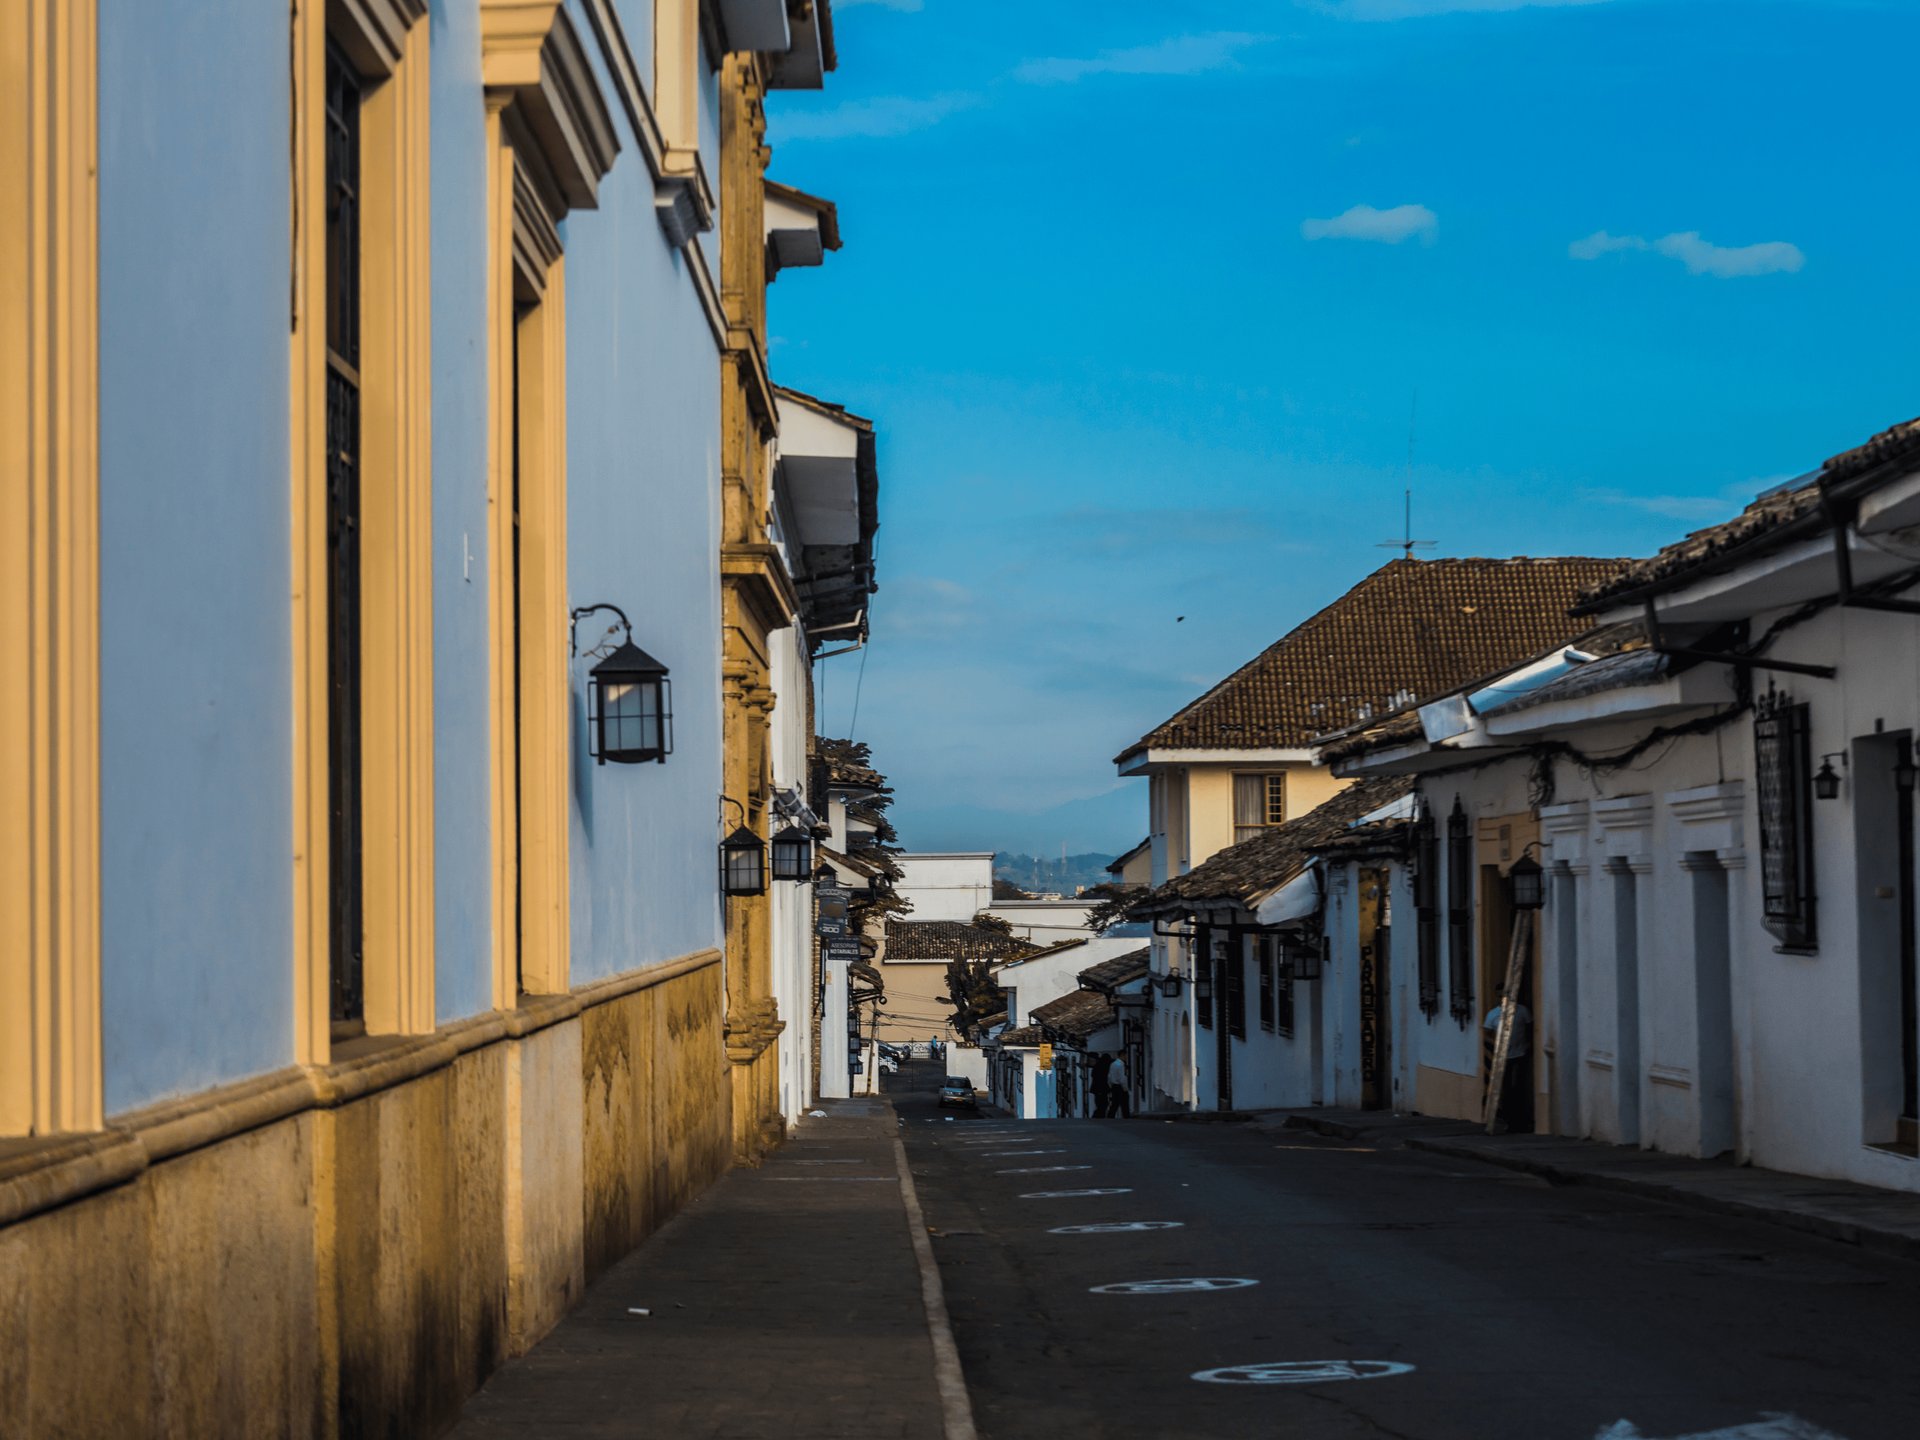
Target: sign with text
{"type": "Point", "coordinates": [1046, 1056]}
{"type": "Point", "coordinates": [843, 949]}
{"type": "Point", "coordinates": [832, 916]}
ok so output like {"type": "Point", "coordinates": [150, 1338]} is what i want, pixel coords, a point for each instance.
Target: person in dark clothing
{"type": "Point", "coordinates": [1119, 1099]}
{"type": "Point", "coordinates": [1101, 1085]}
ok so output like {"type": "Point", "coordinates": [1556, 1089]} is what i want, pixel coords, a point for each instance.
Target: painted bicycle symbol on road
{"type": "Point", "coordinates": [1116, 1227]}
{"type": "Point", "coordinates": [1301, 1372]}
{"type": "Point", "coordinates": [1174, 1285]}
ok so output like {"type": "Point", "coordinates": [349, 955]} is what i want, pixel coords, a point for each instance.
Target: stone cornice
{"type": "Point", "coordinates": [756, 573]}
{"type": "Point", "coordinates": [375, 32]}
{"type": "Point", "coordinates": [531, 54]}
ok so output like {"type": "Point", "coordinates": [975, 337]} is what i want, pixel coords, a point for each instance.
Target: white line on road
{"type": "Point", "coordinates": [1301, 1372]}
{"type": "Point", "coordinates": [1071, 1194]}
{"type": "Point", "coordinates": [1117, 1227]}
{"type": "Point", "coordinates": [956, 1409]}
{"type": "Point", "coordinates": [1174, 1285]}
{"type": "Point", "coordinates": [1009, 1154]}
{"type": "Point", "coordinates": [1040, 1169]}
{"type": "Point", "coordinates": [832, 1179]}
{"type": "Point", "coordinates": [1771, 1426]}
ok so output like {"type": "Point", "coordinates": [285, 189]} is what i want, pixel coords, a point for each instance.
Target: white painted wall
{"type": "Point", "coordinates": [1046, 922]}
{"type": "Point", "coordinates": [946, 886]}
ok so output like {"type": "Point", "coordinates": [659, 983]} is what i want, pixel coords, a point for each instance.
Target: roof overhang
{"type": "Point", "coordinates": [800, 228]}
{"type": "Point", "coordinates": [1297, 900]}
{"type": "Point", "coordinates": [1144, 760]}
{"type": "Point", "coordinates": [1697, 691]}
{"type": "Point", "coordinates": [830, 483]}
{"type": "Point", "coordinates": [755, 25]}
{"type": "Point", "coordinates": [804, 64]}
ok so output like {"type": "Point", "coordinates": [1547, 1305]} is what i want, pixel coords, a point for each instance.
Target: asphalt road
{"type": "Point", "coordinates": [1519, 1311]}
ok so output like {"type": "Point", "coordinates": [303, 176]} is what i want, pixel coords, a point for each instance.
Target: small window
{"type": "Point", "coordinates": [1259, 802]}
{"type": "Point", "coordinates": [1782, 752]}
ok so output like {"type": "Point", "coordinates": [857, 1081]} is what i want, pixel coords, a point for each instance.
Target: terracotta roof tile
{"type": "Point", "coordinates": [1243, 873]}
{"type": "Point", "coordinates": [1079, 1014]}
{"type": "Point", "coordinates": [1773, 520]}
{"type": "Point", "coordinates": [1110, 974]}
{"type": "Point", "coordinates": [1412, 628]}
{"type": "Point", "coordinates": [952, 940]}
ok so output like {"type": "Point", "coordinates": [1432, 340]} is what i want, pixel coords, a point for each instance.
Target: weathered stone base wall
{"type": "Point", "coordinates": [350, 1251]}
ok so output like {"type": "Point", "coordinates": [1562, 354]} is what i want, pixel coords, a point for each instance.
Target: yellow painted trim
{"type": "Point", "coordinates": [502, 700]}
{"type": "Point", "coordinates": [50, 1077]}
{"type": "Point", "coordinates": [545, 665]}
{"type": "Point", "coordinates": [396, 537]}
{"type": "Point", "coordinates": [307, 434]}
{"type": "Point", "coordinates": [676, 79]}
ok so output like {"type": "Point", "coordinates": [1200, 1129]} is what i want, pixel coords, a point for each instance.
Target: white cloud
{"type": "Point", "coordinates": [884, 115]}
{"type": "Point", "coordinates": [1701, 257]}
{"type": "Point", "coordinates": [1420, 9]}
{"type": "Point", "coordinates": [1363, 222]}
{"type": "Point", "coordinates": [1181, 55]}
{"type": "Point", "coordinates": [1601, 243]}
{"type": "Point", "coordinates": [1727, 262]}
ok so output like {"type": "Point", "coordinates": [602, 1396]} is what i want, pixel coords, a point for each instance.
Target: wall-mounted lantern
{"type": "Point", "coordinates": [1169, 983]}
{"type": "Point", "coordinates": [1826, 780]}
{"type": "Point", "coordinates": [792, 854]}
{"type": "Point", "coordinates": [630, 699]}
{"type": "Point", "coordinates": [743, 864]}
{"type": "Point", "coordinates": [1529, 883]}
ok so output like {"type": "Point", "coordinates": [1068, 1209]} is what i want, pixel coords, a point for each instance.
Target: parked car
{"type": "Point", "coordinates": [957, 1091]}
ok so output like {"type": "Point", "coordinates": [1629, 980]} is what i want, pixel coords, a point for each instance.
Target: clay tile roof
{"type": "Point", "coordinates": [1078, 1014]}
{"type": "Point", "coordinates": [1412, 628]}
{"type": "Point", "coordinates": [1121, 969]}
{"type": "Point", "coordinates": [1776, 518]}
{"type": "Point", "coordinates": [952, 940]}
{"type": "Point", "coordinates": [1242, 873]}
{"type": "Point", "coordinates": [1025, 1035]}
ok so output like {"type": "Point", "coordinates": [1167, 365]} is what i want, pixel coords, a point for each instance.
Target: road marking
{"type": "Point", "coordinates": [831, 1179]}
{"type": "Point", "coordinates": [1071, 1194]}
{"type": "Point", "coordinates": [1008, 1154]}
{"type": "Point", "coordinates": [1301, 1372]}
{"type": "Point", "coordinates": [1117, 1227]}
{"type": "Point", "coordinates": [956, 1409]}
{"type": "Point", "coordinates": [1174, 1285]}
{"type": "Point", "coordinates": [1772, 1425]}
{"type": "Point", "coordinates": [829, 1162]}
{"type": "Point", "coordinates": [1040, 1169]}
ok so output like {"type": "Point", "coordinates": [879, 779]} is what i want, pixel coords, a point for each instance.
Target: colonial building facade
{"type": "Point", "coordinates": [393, 573]}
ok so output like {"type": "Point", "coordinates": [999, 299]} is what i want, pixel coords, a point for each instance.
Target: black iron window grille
{"type": "Point", "coordinates": [1283, 1002]}
{"type": "Point", "coordinates": [1783, 768]}
{"type": "Point", "coordinates": [1236, 960]}
{"type": "Point", "coordinates": [1426, 907]}
{"type": "Point", "coordinates": [1268, 944]}
{"type": "Point", "coordinates": [1459, 914]}
{"type": "Point", "coordinates": [346, 907]}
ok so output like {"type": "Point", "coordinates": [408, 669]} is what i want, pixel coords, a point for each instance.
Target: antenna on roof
{"type": "Point", "coordinates": [1407, 543]}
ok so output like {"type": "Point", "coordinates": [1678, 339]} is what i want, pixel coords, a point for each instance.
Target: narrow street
{"type": "Point", "coordinates": [1520, 1310]}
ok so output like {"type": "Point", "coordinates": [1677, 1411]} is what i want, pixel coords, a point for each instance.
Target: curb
{"type": "Point", "coordinates": [1827, 1227]}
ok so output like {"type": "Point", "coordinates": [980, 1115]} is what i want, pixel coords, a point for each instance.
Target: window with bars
{"type": "Point", "coordinates": [1268, 965]}
{"type": "Point", "coordinates": [1460, 914]}
{"type": "Point", "coordinates": [1236, 988]}
{"type": "Point", "coordinates": [1426, 907]}
{"type": "Point", "coordinates": [1783, 771]}
{"type": "Point", "coordinates": [1259, 801]}
{"type": "Point", "coordinates": [346, 901]}
{"type": "Point", "coordinates": [1283, 991]}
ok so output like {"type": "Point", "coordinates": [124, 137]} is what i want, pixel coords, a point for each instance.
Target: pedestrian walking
{"type": "Point", "coordinates": [1119, 1102]}
{"type": "Point", "coordinates": [1516, 1082]}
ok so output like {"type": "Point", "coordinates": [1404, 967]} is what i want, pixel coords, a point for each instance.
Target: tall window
{"type": "Point", "coordinates": [1283, 994]}
{"type": "Point", "coordinates": [1426, 905]}
{"type": "Point", "coordinates": [1259, 801]}
{"type": "Point", "coordinates": [1460, 914]}
{"type": "Point", "coordinates": [1267, 944]}
{"type": "Point", "coordinates": [1782, 752]}
{"type": "Point", "coordinates": [344, 749]}
{"type": "Point", "coordinates": [1236, 960]}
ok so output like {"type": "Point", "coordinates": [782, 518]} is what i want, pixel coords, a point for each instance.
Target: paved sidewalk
{"type": "Point", "coordinates": [784, 1301]}
{"type": "Point", "coordinates": [1875, 1219]}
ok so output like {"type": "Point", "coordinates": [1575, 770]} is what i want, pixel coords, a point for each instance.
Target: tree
{"type": "Point", "coordinates": [1007, 890]}
{"type": "Point", "coordinates": [974, 994]}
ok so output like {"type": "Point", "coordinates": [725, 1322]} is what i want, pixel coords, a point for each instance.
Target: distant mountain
{"type": "Point", "coordinates": [1043, 875]}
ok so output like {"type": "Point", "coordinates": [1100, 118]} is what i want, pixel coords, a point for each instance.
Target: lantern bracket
{"type": "Point", "coordinates": [603, 648]}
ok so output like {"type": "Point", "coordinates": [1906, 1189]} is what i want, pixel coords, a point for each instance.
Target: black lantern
{"type": "Point", "coordinates": [631, 700]}
{"type": "Point", "coordinates": [792, 854]}
{"type": "Point", "coordinates": [1826, 780]}
{"type": "Point", "coordinates": [743, 864]}
{"type": "Point", "coordinates": [1529, 883]}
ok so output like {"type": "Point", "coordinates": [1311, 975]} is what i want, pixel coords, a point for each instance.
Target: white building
{"type": "Point", "coordinates": [946, 885]}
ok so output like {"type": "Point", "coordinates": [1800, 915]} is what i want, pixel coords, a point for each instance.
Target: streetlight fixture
{"type": "Point", "coordinates": [1529, 883]}
{"type": "Point", "coordinates": [792, 854]}
{"type": "Point", "coordinates": [1826, 780]}
{"type": "Point", "coordinates": [630, 697]}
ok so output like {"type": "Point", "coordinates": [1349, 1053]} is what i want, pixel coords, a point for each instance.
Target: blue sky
{"type": "Point", "coordinates": [1141, 296]}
